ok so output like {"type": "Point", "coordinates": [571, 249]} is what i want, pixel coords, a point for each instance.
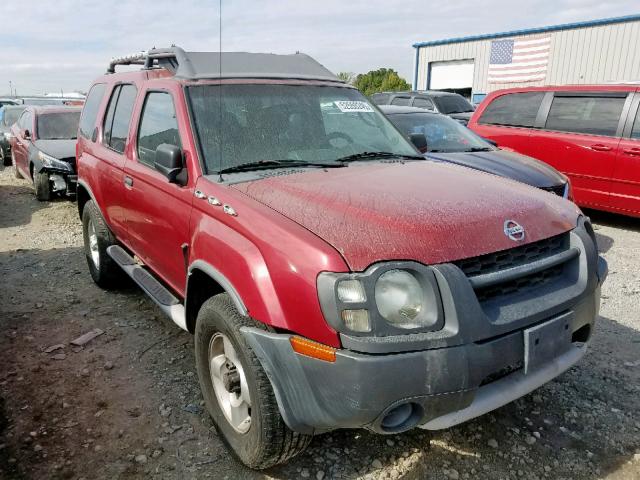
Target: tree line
{"type": "Point", "coordinates": [381, 80]}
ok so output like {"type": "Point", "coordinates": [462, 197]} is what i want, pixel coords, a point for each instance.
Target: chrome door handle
{"type": "Point", "coordinates": [128, 182]}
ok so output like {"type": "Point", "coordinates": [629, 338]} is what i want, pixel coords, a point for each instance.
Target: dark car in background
{"type": "Point", "coordinates": [9, 115]}
{"type": "Point", "coordinates": [8, 101]}
{"type": "Point", "coordinates": [450, 142]}
{"type": "Point", "coordinates": [453, 105]}
{"type": "Point", "coordinates": [43, 149]}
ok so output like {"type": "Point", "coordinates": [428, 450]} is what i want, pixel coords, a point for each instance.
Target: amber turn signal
{"type": "Point", "coordinates": [313, 349]}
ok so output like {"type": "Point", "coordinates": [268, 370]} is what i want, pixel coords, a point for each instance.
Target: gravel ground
{"type": "Point", "coordinates": [127, 404]}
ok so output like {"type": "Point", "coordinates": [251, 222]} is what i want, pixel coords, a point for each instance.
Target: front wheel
{"type": "Point", "coordinates": [42, 185]}
{"type": "Point", "coordinates": [237, 391]}
{"type": "Point", "coordinates": [6, 159]}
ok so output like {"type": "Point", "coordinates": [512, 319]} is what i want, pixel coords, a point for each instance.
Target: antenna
{"type": "Point", "coordinates": [220, 179]}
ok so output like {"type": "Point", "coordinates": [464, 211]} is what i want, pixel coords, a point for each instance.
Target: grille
{"type": "Point", "coordinates": [515, 257]}
{"type": "Point", "coordinates": [558, 190]}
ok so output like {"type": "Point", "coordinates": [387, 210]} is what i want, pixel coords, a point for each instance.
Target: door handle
{"type": "Point", "coordinates": [632, 151]}
{"type": "Point", "coordinates": [128, 182]}
{"type": "Point", "coordinates": [598, 147]}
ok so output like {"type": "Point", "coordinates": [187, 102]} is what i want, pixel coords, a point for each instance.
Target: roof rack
{"type": "Point", "coordinates": [207, 65]}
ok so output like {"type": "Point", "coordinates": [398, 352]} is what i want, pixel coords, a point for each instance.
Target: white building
{"type": "Point", "coordinates": [598, 51]}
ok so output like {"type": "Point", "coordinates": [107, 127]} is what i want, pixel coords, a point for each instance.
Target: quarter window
{"type": "Point", "coordinates": [590, 115]}
{"type": "Point", "coordinates": [118, 117]}
{"type": "Point", "coordinates": [157, 126]}
{"type": "Point", "coordinates": [513, 110]}
{"type": "Point", "coordinates": [90, 110]}
{"type": "Point", "coordinates": [401, 101]}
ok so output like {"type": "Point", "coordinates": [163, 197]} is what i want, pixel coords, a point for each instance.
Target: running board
{"type": "Point", "coordinates": [166, 300]}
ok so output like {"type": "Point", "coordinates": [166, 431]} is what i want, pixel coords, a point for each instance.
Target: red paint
{"type": "Point", "coordinates": [291, 228]}
{"type": "Point", "coordinates": [604, 171]}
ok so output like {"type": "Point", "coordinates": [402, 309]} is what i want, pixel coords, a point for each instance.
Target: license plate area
{"type": "Point", "coordinates": [546, 341]}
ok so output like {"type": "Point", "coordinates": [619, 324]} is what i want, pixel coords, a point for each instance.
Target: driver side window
{"type": "Point", "coordinates": [158, 125]}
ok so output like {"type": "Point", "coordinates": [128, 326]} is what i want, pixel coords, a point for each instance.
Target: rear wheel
{"type": "Point", "coordinates": [97, 238]}
{"type": "Point", "coordinates": [237, 391]}
{"type": "Point", "coordinates": [42, 185]}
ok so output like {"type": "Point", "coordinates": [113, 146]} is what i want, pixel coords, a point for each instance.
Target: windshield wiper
{"type": "Point", "coordinates": [266, 164]}
{"type": "Point", "coordinates": [373, 155]}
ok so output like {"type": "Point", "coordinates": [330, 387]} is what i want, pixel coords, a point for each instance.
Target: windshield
{"type": "Point", "coordinates": [449, 104]}
{"type": "Point", "coordinates": [443, 134]}
{"type": "Point", "coordinates": [288, 122]}
{"type": "Point", "coordinates": [11, 115]}
{"type": "Point", "coordinates": [58, 126]}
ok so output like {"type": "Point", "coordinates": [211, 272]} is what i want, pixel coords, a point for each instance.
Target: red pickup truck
{"type": "Point", "coordinates": [331, 275]}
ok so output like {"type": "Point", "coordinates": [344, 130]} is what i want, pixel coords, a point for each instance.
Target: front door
{"type": "Point", "coordinates": [22, 143]}
{"type": "Point", "coordinates": [158, 212]}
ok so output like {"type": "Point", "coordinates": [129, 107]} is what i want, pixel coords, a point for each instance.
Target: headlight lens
{"type": "Point", "coordinates": [357, 320]}
{"type": "Point", "coordinates": [351, 291]}
{"type": "Point", "coordinates": [51, 162]}
{"type": "Point", "coordinates": [400, 299]}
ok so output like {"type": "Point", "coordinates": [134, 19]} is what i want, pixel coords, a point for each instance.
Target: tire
{"type": "Point", "coordinates": [43, 186]}
{"type": "Point", "coordinates": [105, 272]}
{"type": "Point", "coordinates": [268, 441]}
{"type": "Point", "coordinates": [16, 172]}
{"type": "Point", "coordinates": [6, 159]}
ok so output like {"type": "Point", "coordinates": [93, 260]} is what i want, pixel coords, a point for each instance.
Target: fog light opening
{"type": "Point", "coordinates": [582, 334]}
{"type": "Point", "coordinates": [401, 417]}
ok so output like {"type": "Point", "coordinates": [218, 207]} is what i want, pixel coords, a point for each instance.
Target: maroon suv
{"type": "Point", "coordinates": [332, 276]}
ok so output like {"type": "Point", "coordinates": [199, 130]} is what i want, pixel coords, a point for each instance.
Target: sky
{"type": "Point", "coordinates": [62, 45]}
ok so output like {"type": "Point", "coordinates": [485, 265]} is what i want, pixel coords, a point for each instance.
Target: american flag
{"type": "Point", "coordinates": [514, 61]}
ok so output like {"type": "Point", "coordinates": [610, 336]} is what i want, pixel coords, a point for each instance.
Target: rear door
{"type": "Point", "coordinates": [625, 184]}
{"type": "Point", "coordinates": [22, 143]}
{"type": "Point", "coordinates": [578, 133]}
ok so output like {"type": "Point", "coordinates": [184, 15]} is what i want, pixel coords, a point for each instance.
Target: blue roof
{"type": "Point", "coordinates": [552, 28]}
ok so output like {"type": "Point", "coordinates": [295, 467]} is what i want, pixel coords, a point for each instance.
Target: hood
{"type": "Point", "coordinates": [465, 116]}
{"type": "Point", "coordinates": [57, 148]}
{"type": "Point", "coordinates": [423, 211]}
{"type": "Point", "coordinates": [506, 164]}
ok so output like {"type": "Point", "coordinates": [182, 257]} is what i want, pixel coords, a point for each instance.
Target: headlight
{"type": "Point", "coordinates": [8, 135]}
{"type": "Point", "coordinates": [400, 299]}
{"type": "Point", "coordinates": [51, 162]}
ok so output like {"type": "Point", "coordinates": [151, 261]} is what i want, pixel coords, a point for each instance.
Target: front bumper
{"type": "Point", "coordinates": [477, 363]}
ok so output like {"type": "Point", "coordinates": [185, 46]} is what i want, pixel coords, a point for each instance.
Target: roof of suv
{"type": "Point", "coordinates": [431, 93]}
{"type": "Point", "coordinates": [213, 65]}
{"type": "Point", "coordinates": [40, 110]}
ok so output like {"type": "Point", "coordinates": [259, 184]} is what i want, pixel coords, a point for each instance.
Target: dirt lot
{"type": "Point", "coordinates": [127, 404]}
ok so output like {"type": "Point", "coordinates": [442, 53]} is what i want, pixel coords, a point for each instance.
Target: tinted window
{"type": "Point", "coordinates": [58, 126]}
{"type": "Point", "coordinates": [118, 118]}
{"type": "Point", "coordinates": [513, 109]}
{"type": "Point", "coordinates": [590, 115]}
{"type": "Point", "coordinates": [402, 101]}
{"type": "Point", "coordinates": [158, 125]}
{"type": "Point", "coordinates": [449, 104]}
{"type": "Point", "coordinates": [635, 133]}
{"type": "Point", "coordinates": [423, 103]}
{"type": "Point", "coordinates": [380, 98]}
{"type": "Point", "coordinates": [90, 110]}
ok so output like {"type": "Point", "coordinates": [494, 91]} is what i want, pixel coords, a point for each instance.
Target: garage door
{"type": "Point", "coordinates": [452, 74]}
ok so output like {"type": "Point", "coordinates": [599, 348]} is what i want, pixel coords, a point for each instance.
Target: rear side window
{"type": "Point", "coordinates": [590, 115]}
{"type": "Point", "coordinates": [157, 126]}
{"type": "Point", "coordinates": [401, 101]}
{"type": "Point", "coordinates": [118, 117]}
{"type": "Point", "coordinates": [423, 103]}
{"type": "Point", "coordinates": [90, 110]}
{"type": "Point", "coordinates": [513, 110]}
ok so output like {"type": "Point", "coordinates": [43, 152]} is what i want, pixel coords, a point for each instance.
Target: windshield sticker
{"type": "Point", "coordinates": [351, 106]}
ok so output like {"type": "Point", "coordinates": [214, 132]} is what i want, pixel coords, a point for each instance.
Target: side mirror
{"type": "Point", "coordinates": [26, 135]}
{"type": "Point", "coordinates": [420, 141]}
{"type": "Point", "coordinates": [169, 162]}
